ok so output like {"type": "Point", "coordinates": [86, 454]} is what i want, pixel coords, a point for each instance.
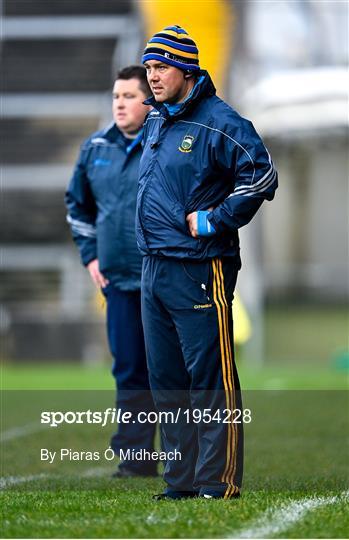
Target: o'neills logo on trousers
{"type": "Point", "coordinates": [202, 306]}
{"type": "Point", "coordinates": [145, 455]}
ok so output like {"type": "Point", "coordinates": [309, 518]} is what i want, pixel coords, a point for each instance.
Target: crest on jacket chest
{"type": "Point", "coordinates": [186, 144]}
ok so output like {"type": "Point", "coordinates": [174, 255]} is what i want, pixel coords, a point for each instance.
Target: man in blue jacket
{"type": "Point", "coordinates": [204, 173]}
{"type": "Point", "coordinates": [101, 203]}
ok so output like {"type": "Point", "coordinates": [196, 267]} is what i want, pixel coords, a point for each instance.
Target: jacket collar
{"type": "Point", "coordinates": [204, 87]}
{"type": "Point", "coordinates": [114, 135]}
{"type": "Point", "coordinates": [133, 143]}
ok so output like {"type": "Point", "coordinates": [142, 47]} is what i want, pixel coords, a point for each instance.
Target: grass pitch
{"type": "Point", "coordinates": [113, 509]}
{"type": "Point", "coordinates": [296, 471]}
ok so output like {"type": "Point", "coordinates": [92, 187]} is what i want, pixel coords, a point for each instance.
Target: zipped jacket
{"type": "Point", "coordinates": [101, 203]}
{"type": "Point", "coordinates": [198, 155]}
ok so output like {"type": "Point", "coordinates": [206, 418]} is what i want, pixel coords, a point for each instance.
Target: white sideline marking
{"type": "Point", "coordinates": [155, 519]}
{"type": "Point", "coordinates": [276, 520]}
{"type": "Point", "coordinates": [96, 472]}
{"type": "Point", "coordinates": [7, 481]}
{"type": "Point", "coordinates": [13, 480]}
{"type": "Point", "coordinates": [20, 431]}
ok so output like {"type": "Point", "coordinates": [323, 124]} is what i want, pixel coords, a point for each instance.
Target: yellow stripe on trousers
{"type": "Point", "coordinates": [232, 491]}
{"type": "Point", "coordinates": [227, 371]}
{"type": "Point", "coordinates": [227, 313]}
{"type": "Point", "coordinates": [229, 473]}
{"type": "Point", "coordinates": [221, 338]}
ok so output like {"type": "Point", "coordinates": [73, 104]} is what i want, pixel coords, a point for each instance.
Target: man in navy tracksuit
{"type": "Point", "coordinates": [101, 202]}
{"type": "Point", "coordinates": [204, 173]}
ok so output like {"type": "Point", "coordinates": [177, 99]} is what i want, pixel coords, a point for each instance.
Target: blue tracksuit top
{"type": "Point", "coordinates": [199, 154]}
{"type": "Point", "coordinates": [101, 203]}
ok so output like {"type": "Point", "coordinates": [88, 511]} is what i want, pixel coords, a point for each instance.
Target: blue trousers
{"type": "Point", "coordinates": [126, 342]}
{"type": "Point", "coordinates": [188, 328]}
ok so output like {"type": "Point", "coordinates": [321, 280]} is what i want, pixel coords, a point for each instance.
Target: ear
{"type": "Point", "coordinates": [188, 75]}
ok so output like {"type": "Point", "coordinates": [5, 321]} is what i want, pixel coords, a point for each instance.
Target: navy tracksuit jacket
{"type": "Point", "coordinates": [197, 155]}
{"type": "Point", "coordinates": [101, 203]}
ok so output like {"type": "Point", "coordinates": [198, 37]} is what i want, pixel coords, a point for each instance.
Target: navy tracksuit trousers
{"type": "Point", "coordinates": [188, 328]}
{"type": "Point", "coordinates": [126, 342]}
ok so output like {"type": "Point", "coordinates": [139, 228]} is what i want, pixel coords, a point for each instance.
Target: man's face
{"type": "Point", "coordinates": [128, 109]}
{"type": "Point", "coordinates": [166, 82]}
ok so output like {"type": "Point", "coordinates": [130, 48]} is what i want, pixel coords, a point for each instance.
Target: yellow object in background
{"type": "Point", "coordinates": [209, 23]}
{"type": "Point", "coordinates": [242, 323]}
{"type": "Point", "coordinates": [99, 302]}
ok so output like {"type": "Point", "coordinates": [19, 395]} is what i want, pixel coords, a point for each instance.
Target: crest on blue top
{"type": "Point", "coordinates": [186, 144]}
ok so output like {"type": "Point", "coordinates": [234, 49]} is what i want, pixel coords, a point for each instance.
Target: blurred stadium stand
{"type": "Point", "coordinates": [290, 76]}
{"type": "Point", "coordinates": [58, 63]}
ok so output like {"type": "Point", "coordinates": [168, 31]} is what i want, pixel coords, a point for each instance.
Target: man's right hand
{"type": "Point", "coordinates": [98, 279]}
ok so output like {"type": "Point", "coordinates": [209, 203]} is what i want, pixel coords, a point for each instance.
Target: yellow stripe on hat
{"type": "Point", "coordinates": [173, 33]}
{"type": "Point", "coordinates": [172, 50]}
